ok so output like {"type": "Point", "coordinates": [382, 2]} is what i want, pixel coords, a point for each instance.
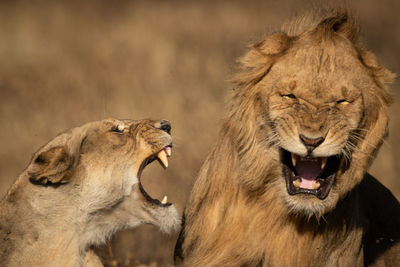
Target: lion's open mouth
{"type": "Point", "coordinates": [162, 157]}
{"type": "Point", "coordinates": [307, 175]}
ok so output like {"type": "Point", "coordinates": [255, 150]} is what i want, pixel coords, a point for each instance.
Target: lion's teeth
{"type": "Point", "coordinates": [168, 150]}
{"type": "Point", "coordinates": [297, 183]}
{"type": "Point", "coordinates": [121, 127]}
{"type": "Point", "coordinates": [293, 160]}
{"type": "Point", "coordinates": [323, 163]}
{"type": "Point", "coordinates": [164, 200]}
{"type": "Point", "coordinates": [315, 185]}
{"type": "Point", "coordinates": [162, 156]}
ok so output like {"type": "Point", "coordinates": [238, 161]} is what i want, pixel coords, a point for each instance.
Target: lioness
{"type": "Point", "coordinates": [79, 189]}
{"type": "Point", "coordinates": [286, 183]}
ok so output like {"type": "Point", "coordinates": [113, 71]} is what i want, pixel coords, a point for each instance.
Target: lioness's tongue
{"type": "Point", "coordinates": [308, 170]}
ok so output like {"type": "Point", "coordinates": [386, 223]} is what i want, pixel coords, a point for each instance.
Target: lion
{"type": "Point", "coordinates": [80, 188]}
{"type": "Point", "coordinates": [286, 183]}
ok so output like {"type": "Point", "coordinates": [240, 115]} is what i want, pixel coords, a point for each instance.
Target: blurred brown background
{"type": "Point", "coordinates": [63, 63]}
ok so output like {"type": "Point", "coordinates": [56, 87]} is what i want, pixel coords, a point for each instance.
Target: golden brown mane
{"type": "Point", "coordinates": [239, 212]}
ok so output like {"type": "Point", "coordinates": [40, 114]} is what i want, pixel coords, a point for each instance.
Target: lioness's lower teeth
{"type": "Point", "coordinates": [164, 200]}
{"type": "Point", "coordinates": [162, 156]}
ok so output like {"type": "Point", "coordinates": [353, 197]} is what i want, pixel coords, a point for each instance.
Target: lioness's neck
{"type": "Point", "coordinates": [38, 215]}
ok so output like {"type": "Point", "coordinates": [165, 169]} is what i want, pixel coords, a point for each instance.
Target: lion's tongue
{"type": "Point", "coordinates": [308, 171]}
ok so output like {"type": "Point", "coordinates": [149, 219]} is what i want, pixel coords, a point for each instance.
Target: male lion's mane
{"type": "Point", "coordinates": [235, 215]}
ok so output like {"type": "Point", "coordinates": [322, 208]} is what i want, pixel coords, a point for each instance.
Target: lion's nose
{"type": "Point", "coordinates": [311, 143]}
{"type": "Point", "coordinates": [165, 126]}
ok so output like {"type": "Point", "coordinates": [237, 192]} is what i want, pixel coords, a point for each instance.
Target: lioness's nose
{"type": "Point", "coordinates": [165, 126]}
{"type": "Point", "coordinates": [311, 143]}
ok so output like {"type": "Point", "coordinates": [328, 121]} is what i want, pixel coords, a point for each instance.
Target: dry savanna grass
{"type": "Point", "coordinates": [64, 63]}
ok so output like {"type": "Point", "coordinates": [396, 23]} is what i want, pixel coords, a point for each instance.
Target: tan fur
{"type": "Point", "coordinates": [77, 191]}
{"type": "Point", "coordinates": [239, 212]}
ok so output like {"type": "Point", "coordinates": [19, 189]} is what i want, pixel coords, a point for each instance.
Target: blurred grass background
{"type": "Point", "coordinates": [63, 63]}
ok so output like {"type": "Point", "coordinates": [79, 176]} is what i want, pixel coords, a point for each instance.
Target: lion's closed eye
{"type": "Point", "coordinates": [342, 102]}
{"type": "Point", "coordinates": [291, 96]}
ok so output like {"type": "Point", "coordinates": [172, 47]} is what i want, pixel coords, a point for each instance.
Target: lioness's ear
{"type": "Point", "coordinates": [51, 166]}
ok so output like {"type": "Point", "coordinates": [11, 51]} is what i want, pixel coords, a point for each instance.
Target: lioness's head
{"type": "Point", "coordinates": [97, 168]}
{"type": "Point", "coordinates": [315, 103]}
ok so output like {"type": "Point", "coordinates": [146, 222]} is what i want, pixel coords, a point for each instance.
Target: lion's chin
{"type": "Point", "coordinates": [308, 175]}
{"type": "Point", "coordinates": [308, 206]}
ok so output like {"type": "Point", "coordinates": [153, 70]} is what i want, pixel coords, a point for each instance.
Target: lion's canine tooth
{"type": "Point", "coordinates": [293, 160]}
{"type": "Point", "coordinates": [297, 183]}
{"type": "Point", "coordinates": [120, 127]}
{"type": "Point", "coordinates": [164, 200]}
{"type": "Point", "coordinates": [162, 156]}
{"type": "Point", "coordinates": [168, 150]}
{"type": "Point", "coordinates": [315, 185]}
{"type": "Point", "coordinates": [323, 163]}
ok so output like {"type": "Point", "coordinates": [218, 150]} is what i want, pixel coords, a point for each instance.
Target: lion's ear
{"type": "Point", "coordinates": [273, 44]}
{"type": "Point", "coordinates": [380, 74]}
{"type": "Point", "coordinates": [52, 166]}
{"type": "Point", "coordinates": [257, 62]}
{"type": "Point", "coordinates": [341, 23]}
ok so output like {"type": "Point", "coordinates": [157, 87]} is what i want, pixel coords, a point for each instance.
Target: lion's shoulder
{"type": "Point", "coordinates": [382, 218]}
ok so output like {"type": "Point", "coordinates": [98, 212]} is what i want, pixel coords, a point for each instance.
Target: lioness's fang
{"type": "Point", "coordinates": [162, 156]}
{"type": "Point", "coordinates": [168, 150]}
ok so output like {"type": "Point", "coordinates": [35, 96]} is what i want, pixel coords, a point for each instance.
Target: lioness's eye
{"type": "Point", "coordinates": [292, 96]}
{"type": "Point", "coordinates": [118, 129]}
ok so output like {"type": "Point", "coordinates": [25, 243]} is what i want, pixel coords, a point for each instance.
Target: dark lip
{"type": "Point", "coordinates": [326, 178]}
{"type": "Point", "coordinates": [146, 162]}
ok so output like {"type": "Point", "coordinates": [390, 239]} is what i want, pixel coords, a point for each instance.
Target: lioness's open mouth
{"type": "Point", "coordinates": [308, 175]}
{"type": "Point", "coordinates": [162, 157]}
